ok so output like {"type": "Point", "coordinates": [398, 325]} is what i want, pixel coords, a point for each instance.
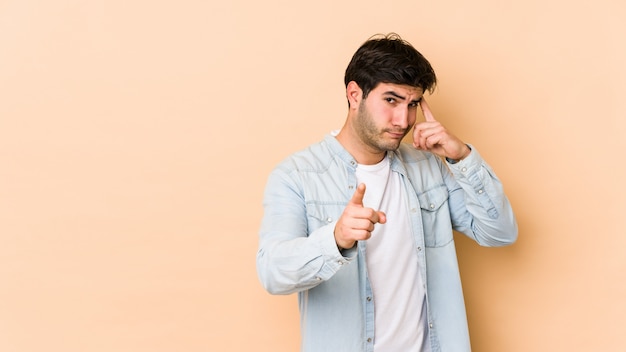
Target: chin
{"type": "Point", "coordinates": [389, 147]}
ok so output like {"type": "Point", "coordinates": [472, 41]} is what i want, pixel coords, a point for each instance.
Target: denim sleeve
{"type": "Point", "coordinates": [478, 205]}
{"type": "Point", "coordinates": [289, 258]}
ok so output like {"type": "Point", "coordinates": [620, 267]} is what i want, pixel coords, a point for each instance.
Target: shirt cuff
{"type": "Point", "coordinates": [465, 167]}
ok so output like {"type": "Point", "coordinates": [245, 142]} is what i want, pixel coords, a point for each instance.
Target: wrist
{"type": "Point", "coordinates": [464, 155]}
{"type": "Point", "coordinates": [343, 248]}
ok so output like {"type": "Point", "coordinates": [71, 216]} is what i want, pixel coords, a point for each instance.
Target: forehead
{"type": "Point", "coordinates": [404, 90]}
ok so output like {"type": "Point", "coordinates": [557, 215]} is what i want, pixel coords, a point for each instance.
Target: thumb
{"type": "Point", "coordinates": [357, 197]}
{"type": "Point", "coordinates": [382, 217]}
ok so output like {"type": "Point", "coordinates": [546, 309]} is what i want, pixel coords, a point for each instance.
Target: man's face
{"type": "Point", "coordinates": [386, 115]}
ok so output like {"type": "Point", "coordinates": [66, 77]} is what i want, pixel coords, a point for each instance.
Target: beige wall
{"type": "Point", "coordinates": [136, 137]}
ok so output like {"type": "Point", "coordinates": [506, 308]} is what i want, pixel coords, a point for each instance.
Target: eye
{"type": "Point", "coordinates": [390, 100]}
{"type": "Point", "coordinates": [413, 105]}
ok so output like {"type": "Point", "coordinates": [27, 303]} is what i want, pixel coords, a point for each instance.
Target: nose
{"type": "Point", "coordinates": [401, 117]}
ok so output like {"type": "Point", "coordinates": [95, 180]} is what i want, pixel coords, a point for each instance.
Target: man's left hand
{"type": "Point", "coordinates": [431, 136]}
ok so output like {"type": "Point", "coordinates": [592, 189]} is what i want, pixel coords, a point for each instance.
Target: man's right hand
{"type": "Point", "coordinates": [357, 222]}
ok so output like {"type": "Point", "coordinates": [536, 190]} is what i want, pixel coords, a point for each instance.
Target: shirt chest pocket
{"type": "Point", "coordinates": [320, 214]}
{"type": "Point", "coordinates": [435, 217]}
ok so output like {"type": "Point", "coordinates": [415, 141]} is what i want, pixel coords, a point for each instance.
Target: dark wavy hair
{"type": "Point", "coordinates": [389, 59]}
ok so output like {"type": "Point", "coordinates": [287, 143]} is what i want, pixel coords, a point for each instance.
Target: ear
{"type": "Point", "coordinates": [354, 93]}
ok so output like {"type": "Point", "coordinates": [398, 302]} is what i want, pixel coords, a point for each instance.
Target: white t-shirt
{"type": "Point", "coordinates": [392, 265]}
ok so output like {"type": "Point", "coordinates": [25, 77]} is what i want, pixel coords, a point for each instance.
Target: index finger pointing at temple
{"type": "Point", "coordinates": [428, 115]}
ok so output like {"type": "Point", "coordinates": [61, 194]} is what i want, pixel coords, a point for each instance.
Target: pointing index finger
{"type": "Point", "coordinates": [428, 115]}
{"type": "Point", "coordinates": [357, 197]}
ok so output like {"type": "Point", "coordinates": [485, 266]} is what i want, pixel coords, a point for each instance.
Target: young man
{"type": "Point", "coordinates": [360, 224]}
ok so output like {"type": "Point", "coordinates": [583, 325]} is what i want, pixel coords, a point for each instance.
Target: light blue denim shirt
{"type": "Point", "coordinates": [305, 196]}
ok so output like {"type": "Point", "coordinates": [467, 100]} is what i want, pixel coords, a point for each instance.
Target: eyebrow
{"type": "Point", "coordinates": [401, 97]}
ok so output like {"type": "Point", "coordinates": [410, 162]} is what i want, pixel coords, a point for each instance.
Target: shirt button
{"type": "Point", "coordinates": [329, 219]}
{"type": "Point", "coordinates": [430, 325]}
{"type": "Point", "coordinates": [369, 299]}
{"type": "Point", "coordinates": [419, 249]}
{"type": "Point", "coordinates": [464, 169]}
{"type": "Point", "coordinates": [480, 191]}
{"type": "Point", "coordinates": [318, 278]}
{"type": "Point", "coordinates": [339, 262]}
{"type": "Point", "coordinates": [369, 340]}
{"type": "Point", "coordinates": [432, 206]}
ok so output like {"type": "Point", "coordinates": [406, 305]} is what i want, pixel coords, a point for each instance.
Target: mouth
{"type": "Point", "coordinates": [397, 134]}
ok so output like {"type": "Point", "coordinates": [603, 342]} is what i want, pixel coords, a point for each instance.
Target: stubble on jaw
{"type": "Point", "coordinates": [371, 135]}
